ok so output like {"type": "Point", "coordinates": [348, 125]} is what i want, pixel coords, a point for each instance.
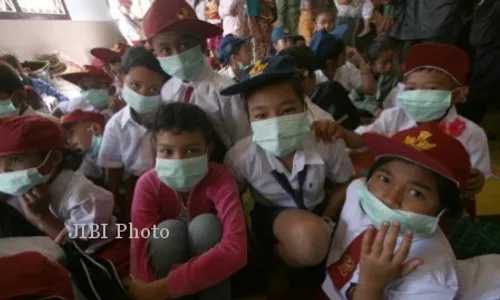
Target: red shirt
{"type": "Point", "coordinates": [216, 193]}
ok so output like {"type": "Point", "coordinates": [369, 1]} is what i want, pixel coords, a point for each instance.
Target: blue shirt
{"type": "Point", "coordinates": [45, 89]}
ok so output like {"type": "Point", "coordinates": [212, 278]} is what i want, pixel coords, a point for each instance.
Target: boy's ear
{"type": "Point", "coordinates": [97, 129]}
{"type": "Point", "coordinates": [462, 93]}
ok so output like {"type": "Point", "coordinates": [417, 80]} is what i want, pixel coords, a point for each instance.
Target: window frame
{"type": "Point", "coordinates": [19, 15]}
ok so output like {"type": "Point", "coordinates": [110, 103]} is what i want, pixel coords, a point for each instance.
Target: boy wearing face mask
{"type": "Point", "coordinates": [286, 167]}
{"type": "Point", "coordinates": [196, 201]}
{"type": "Point", "coordinates": [112, 60]}
{"type": "Point", "coordinates": [435, 80]}
{"type": "Point", "coordinates": [13, 95]}
{"type": "Point", "coordinates": [126, 149]}
{"type": "Point", "coordinates": [83, 130]}
{"type": "Point", "coordinates": [178, 40]}
{"type": "Point", "coordinates": [95, 85]}
{"type": "Point", "coordinates": [282, 38]}
{"type": "Point", "coordinates": [235, 55]}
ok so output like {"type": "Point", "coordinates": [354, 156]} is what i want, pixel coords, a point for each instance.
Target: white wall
{"type": "Point", "coordinates": [88, 10]}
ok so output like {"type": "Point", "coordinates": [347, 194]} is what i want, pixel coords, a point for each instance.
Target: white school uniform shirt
{"type": "Point", "coordinates": [76, 200]}
{"type": "Point", "coordinates": [391, 100]}
{"type": "Point", "coordinates": [232, 24]}
{"type": "Point", "coordinates": [479, 278]}
{"type": "Point", "coordinates": [126, 144]}
{"type": "Point", "coordinates": [435, 279]}
{"type": "Point", "coordinates": [227, 113]}
{"type": "Point", "coordinates": [362, 9]}
{"type": "Point", "coordinates": [473, 138]}
{"type": "Point", "coordinates": [228, 72]}
{"type": "Point", "coordinates": [348, 76]}
{"type": "Point", "coordinates": [90, 168]}
{"type": "Point", "coordinates": [252, 166]}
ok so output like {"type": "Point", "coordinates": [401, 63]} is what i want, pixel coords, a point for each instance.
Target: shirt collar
{"type": "Point", "coordinates": [127, 116]}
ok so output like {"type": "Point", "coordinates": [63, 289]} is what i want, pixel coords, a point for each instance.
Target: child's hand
{"type": "Point", "coordinates": [140, 290]}
{"type": "Point", "coordinates": [380, 263]}
{"type": "Point", "coordinates": [327, 130]}
{"type": "Point", "coordinates": [366, 29]}
{"type": "Point", "coordinates": [352, 53]}
{"type": "Point", "coordinates": [35, 203]}
{"type": "Point", "coordinates": [476, 181]}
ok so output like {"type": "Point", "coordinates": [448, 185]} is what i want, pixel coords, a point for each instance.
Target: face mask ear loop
{"type": "Point", "coordinates": [44, 161]}
{"type": "Point", "coordinates": [441, 213]}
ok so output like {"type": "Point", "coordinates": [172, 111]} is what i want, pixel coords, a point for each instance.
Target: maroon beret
{"type": "Point", "coordinates": [81, 116]}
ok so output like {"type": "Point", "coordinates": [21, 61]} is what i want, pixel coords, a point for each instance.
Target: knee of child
{"type": "Point", "coordinates": [176, 233]}
{"type": "Point", "coordinates": [205, 231]}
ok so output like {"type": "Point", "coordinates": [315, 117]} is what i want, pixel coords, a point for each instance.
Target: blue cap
{"type": "Point", "coordinates": [261, 72]}
{"type": "Point", "coordinates": [326, 46]}
{"type": "Point", "coordinates": [227, 45]}
{"type": "Point", "coordinates": [281, 32]}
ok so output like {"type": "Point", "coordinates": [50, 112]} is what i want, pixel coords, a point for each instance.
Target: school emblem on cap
{"type": "Point", "coordinates": [182, 14]}
{"type": "Point", "coordinates": [420, 142]}
{"type": "Point", "coordinates": [258, 68]}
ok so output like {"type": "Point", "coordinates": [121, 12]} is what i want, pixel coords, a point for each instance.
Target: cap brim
{"type": "Point", "coordinates": [196, 27]}
{"type": "Point", "coordinates": [104, 54]}
{"type": "Point", "coordinates": [382, 146]}
{"type": "Point", "coordinates": [76, 78]}
{"type": "Point", "coordinates": [286, 36]}
{"type": "Point", "coordinates": [258, 80]}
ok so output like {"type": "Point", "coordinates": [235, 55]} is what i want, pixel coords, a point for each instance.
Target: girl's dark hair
{"type": "Point", "coordinates": [449, 195]}
{"type": "Point", "coordinates": [182, 117]}
{"type": "Point", "coordinates": [294, 81]}
{"type": "Point", "coordinates": [141, 57]}
{"type": "Point", "coordinates": [304, 57]}
{"type": "Point", "coordinates": [9, 79]}
{"type": "Point", "coordinates": [325, 10]}
{"type": "Point", "coordinates": [378, 47]}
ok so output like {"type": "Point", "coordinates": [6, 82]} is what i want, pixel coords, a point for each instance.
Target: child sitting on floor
{"type": "Point", "coordinates": [197, 203]}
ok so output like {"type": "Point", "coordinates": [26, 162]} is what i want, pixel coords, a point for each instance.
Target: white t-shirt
{"type": "Point", "coordinates": [348, 76]}
{"type": "Point", "coordinates": [435, 279]}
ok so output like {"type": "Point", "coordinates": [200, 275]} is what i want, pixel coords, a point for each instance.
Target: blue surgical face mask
{"type": "Point", "coordinates": [17, 183]}
{"type": "Point", "coordinates": [282, 135]}
{"type": "Point", "coordinates": [186, 65]}
{"type": "Point", "coordinates": [140, 103]}
{"type": "Point", "coordinates": [96, 97]}
{"type": "Point", "coordinates": [379, 212]}
{"type": "Point", "coordinates": [7, 109]}
{"type": "Point", "coordinates": [425, 105]}
{"type": "Point", "coordinates": [95, 146]}
{"type": "Point", "coordinates": [182, 174]}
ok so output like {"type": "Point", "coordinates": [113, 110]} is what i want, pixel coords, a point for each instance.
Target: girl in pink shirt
{"type": "Point", "coordinates": [192, 211]}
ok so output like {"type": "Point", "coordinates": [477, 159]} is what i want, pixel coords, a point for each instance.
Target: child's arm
{"type": "Point", "coordinates": [361, 79]}
{"type": "Point", "coordinates": [110, 157]}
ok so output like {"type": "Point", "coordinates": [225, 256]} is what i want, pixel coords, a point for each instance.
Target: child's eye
{"type": "Point", "coordinates": [383, 179]}
{"type": "Point", "coordinates": [290, 110]}
{"type": "Point", "coordinates": [260, 116]}
{"type": "Point", "coordinates": [166, 51]}
{"type": "Point", "coordinates": [416, 193]}
{"type": "Point", "coordinates": [192, 151]}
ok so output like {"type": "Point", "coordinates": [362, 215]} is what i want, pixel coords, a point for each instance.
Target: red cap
{"type": "Point", "coordinates": [446, 58]}
{"type": "Point", "coordinates": [426, 146]}
{"type": "Point", "coordinates": [28, 134]}
{"type": "Point", "coordinates": [81, 116]}
{"type": "Point", "coordinates": [176, 15]}
{"type": "Point", "coordinates": [88, 72]}
{"type": "Point", "coordinates": [107, 55]}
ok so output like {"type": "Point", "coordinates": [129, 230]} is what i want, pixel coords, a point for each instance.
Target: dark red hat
{"type": "Point", "coordinates": [81, 116]}
{"type": "Point", "coordinates": [28, 134]}
{"type": "Point", "coordinates": [107, 55]}
{"type": "Point", "coordinates": [446, 58]}
{"type": "Point", "coordinates": [427, 146]}
{"type": "Point", "coordinates": [88, 72]}
{"type": "Point", "coordinates": [176, 15]}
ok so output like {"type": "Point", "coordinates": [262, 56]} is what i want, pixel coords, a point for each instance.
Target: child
{"type": "Point", "coordinates": [416, 180]}
{"type": "Point", "coordinates": [212, 17]}
{"type": "Point", "coordinates": [332, 54]}
{"type": "Point", "coordinates": [13, 96]}
{"type": "Point", "coordinates": [126, 149]}
{"type": "Point", "coordinates": [194, 200]}
{"type": "Point", "coordinates": [95, 86]}
{"type": "Point", "coordinates": [350, 13]}
{"type": "Point", "coordinates": [330, 95]}
{"type": "Point", "coordinates": [285, 166]}
{"type": "Point", "coordinates": [180, 53]}
{"type": "Point", "coordinates": [60, 203]}
{"type": "Point", "coordinates": [434, 83]}
{"type": "Point", "coordinates": [235, 55]}
{"type": "Point", "coordinates": [282, 39]}
{"type": "Point", "coordinates": [325, 20]}
{"type": "Point", "coordinates": [380, 56]}
{"type": "Point", "coordinates": [83, 131]}
{"type": "Point", "coordinates": [111, 58]}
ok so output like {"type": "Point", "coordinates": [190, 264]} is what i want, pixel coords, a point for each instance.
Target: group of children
{"type": "Point", "coordinates": [176, 144]}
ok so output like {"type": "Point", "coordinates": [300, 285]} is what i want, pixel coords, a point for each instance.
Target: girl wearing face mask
{"type": "Point", "coordinates": [234, 55]}
{"type": "Point", "coordinates": [286, 168]}
{"type": "Point", "coordinates": [388, 244]}
{"type": "Point", "coordinates": [56, 201]}
{"type": "Point", "coordinates": [126, 151]}
{"type": "Point", "coordinates": [95, 90]}
{"type": "Point", "coordinates": [435, 80]}
{"type": "Point", "coordinates": [83, 130]}
{"type": "Point", "coordinates": [197, 202]}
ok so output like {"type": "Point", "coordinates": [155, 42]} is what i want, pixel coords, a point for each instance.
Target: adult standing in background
{"type": "Point", "coordinates": [261, 16]}
{"type": "Point", "coordinates": [233, 17]}
{"type": "Point", "coordinates": [288, 14]}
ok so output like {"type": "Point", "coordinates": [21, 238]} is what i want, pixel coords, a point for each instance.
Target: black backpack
{"type": "Point", "coordinates": [96, 279]}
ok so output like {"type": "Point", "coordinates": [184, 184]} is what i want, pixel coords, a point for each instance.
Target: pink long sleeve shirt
{"type": "Point", "coordinates": [217, 193]}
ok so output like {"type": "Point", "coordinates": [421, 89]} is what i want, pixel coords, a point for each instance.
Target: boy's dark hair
{"type": "Point", "coordinates": [325, 10]}
{"type": "Point", "coordinates": [449, 195]}
{"type": "Point", "coordinates": [141, 57]}
{"type": "Point", "coordinates": [294, 81]}
{"type": "Point", "coordinates": [9, 79]}
{"type": "Point", "coordinates": [183, 117]}
{"type": "Point", "coordinates": [304, 57]}
{"type": "Point", "coordinates": [378, 47]}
